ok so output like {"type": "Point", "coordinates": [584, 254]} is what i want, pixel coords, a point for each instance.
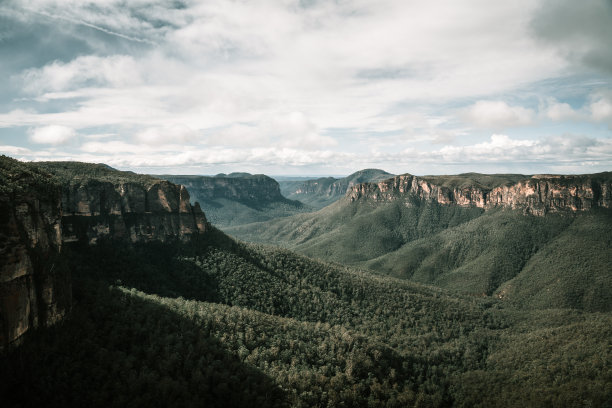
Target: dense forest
{"type": "Point", "coordinates": [557, 260]}
{"type": "Point", "coordinates": [216, 322]}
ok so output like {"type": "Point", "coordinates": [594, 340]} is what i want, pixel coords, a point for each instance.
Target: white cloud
{"type": "Point", "coordinates": [559, 111]}
{"type": "Point", "coordinates": [52, 134]}
{"type": "Point", "coordinates": [14, 150]}
{"type": "Point", "coordinates": [601, 108]}
{"type": "Point", "coordinates": [291, 80]}
{"type": "Point", "coordinates": [84, 71]}
{"type": "Point", "coordinates": [498, 114]}
{"type": "Point", "coordinates": [176, 133]}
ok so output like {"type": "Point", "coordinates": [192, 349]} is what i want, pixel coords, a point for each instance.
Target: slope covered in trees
{"type": "Point", "coordinates": [220, 323]}
{"type": "Point", "coordinates": [496, 252]}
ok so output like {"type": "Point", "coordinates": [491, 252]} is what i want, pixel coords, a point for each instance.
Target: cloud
{"type": "Point", "coordinates": [578, 31]}
{"type": "Point", "coordinates": [279, 82]}
{"type": "Point", "coordinates": [601, 107]}
{"type": "Point", "coordinates": [559, 111]}
{"type": "Point", "coordinates": [52, 134]}
{"type": "Point", "coordinates": [498, 114]}
{"type": "Point", "coordinates": [14, 150]}
{"type": "Point", "coordinates": [84, 71]}
{"type": "Point", "coordinates": [166, 134]}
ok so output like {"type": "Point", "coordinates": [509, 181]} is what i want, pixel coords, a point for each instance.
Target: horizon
{"type": "Point", "coordinates": [309, 88]}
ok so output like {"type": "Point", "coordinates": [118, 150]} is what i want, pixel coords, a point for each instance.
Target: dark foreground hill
{"type": "Point", "coordinates": [321, 192]}
{"type": "Point", "coordinates": [478, 234]}
{"type": "Point", "coordinates": [238, 198]}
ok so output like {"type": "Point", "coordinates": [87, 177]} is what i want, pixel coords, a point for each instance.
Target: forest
{"type": "Point", "coordinates": [218, 322]}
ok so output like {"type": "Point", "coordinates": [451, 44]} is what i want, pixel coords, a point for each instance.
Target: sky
{"type": "Point", "coordinates": [307, 87]}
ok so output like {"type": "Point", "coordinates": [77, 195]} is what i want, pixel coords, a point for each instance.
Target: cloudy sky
{"type": "Point", "coordinates": [309, 87]}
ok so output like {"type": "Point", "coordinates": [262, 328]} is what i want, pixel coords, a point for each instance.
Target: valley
{"type": "Point", "coordinates": [425, 302]}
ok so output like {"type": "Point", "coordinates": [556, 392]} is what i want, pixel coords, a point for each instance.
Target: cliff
{"type": "Point", "coordinates": [326, 190]}
{"type": "Point", "coordinates": [45, 205]}
{"type": "Point", "coordinates": [34, 287]}
{"type": "Point", "coordinates": [242, 187]}
{"type": "Point", "coordinates": [100, 202]}
{"type": "Point", "coordinates": [537, 195]}
{"type": "Point", "coordinates": [238, 198]}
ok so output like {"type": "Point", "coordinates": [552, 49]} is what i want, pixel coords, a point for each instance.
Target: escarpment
{"type": "Point", "coordinates": [44, 206]}
{"type": "Point", "coordinates": [537, 195]}
{"type": "Point", "coordinates": [125, 210]}
{"type": "Point", "coordinates": [34, 286]}
{"type": "Point", "coordinates": [99, 202]}
{"type": "Point", "coordinates": [241, 187]}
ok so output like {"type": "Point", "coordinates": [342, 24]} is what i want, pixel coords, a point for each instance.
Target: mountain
{"type": "Point", "coordinates": [238, 198]}
{"type": "Point", "coordinates": [322, 192]}
{"type": "Point", "coordinates": [194, 318]}
{"type": "Point", "coordinates": [477, 234]}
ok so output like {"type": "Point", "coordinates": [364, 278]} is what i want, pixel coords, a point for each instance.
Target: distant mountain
{"type": "Point", "coordinates": [238, 198]}
{"type": "Point", "coordinates": [478, 234]}
{"type": "Point", "coordinates": [323, 191]}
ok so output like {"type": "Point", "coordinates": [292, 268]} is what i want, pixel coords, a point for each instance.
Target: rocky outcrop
{"type": "Point", "coordinates": [130, 211]}
{"type": "Point", "coordinates": [537, 195]}
{"type": "Point", "coordinates": [34, 287]}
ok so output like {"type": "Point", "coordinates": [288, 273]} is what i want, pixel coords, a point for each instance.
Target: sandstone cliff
{"type": "Point", "coordinates": [34, 287]}
{"type": "Point", "coordinates": [326, 190]}
{"type": "Point", "coordinates": [537, 195]}
{"type": "Point", "coordinates": [46, 205]}
{"type": "Point", "coordinates": [100, 202]}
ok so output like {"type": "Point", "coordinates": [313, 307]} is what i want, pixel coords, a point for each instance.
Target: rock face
{"type": "Point", "coordinates": [130, 211]}
{"type": "Point", "coordinates": [326, 190]}
{"type": "Point", "coordinates": [241, 187]}
{"type": "Point", "coordinates": [47, 205]}
{"type": "Point", "coordinates": [100, 202]}
{"type": "Point", "coordinates": [537, 195]}
{"type": "Point", "coordinates": [34, 287]}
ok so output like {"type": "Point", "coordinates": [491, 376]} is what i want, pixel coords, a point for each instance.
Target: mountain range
{"type": "Point", "coordinates": [116, 290]}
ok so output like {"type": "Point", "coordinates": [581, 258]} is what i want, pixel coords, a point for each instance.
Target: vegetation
{"type": "Point", "coordinates": [492, 253]}
{"type": "Point", "coordinates": [221, 323]}
{"type": "Point", "coordinates": [217, 322]}
{"type": "Point", "coordinates": [69, 172]}
{"type": "Point", "coordinates": [17, 178]}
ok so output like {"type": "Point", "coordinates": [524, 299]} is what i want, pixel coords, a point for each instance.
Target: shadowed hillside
{"type": "Point", "coordinates": [238, 198]}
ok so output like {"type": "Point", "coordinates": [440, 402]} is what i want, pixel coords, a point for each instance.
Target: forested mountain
{"type": "Point", "coordinates": [220, 323]}
{"type": "Point", "coordinates": [192, 317]}
{"type": "Point", "coordinates": [238, 198]}
{"type": "Point", "coordinates": [324, 191]}
{"type": "Point", "coordinates": [446, 231]}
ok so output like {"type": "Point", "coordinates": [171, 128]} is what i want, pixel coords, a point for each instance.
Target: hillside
{"type": "Point", "coordinates": [321, 192]}
{"type": "Point", "coordinates": [238, 198]}
{"type": "Point", "coordinates": [450, 235]}
{"type": "Point", "coordinates": [229, 324]}
{"type": "Point", "coordinates": [191, 317]}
